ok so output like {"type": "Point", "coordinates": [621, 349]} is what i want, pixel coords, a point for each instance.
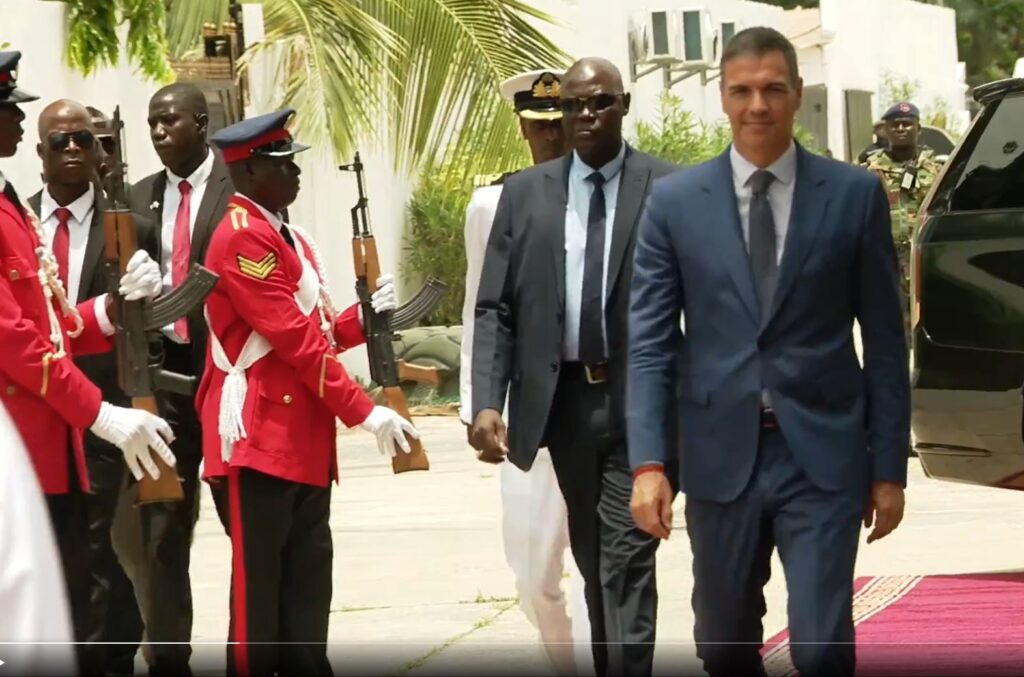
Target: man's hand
{"type": "Point", "coordinates": [135, 432]}
{"type": "Point", "coordinates": [651, 503]}
{"type": "Point", "coordinates": [142, 279]}
{"type": "Point", "coordinates": [384, 298]}
{"type": "Point", "coordinates": [884, 509]}
{"type": "Point", "coordinates": [489, 437]}
{"type": "Point", "coordinates": [390, 429]}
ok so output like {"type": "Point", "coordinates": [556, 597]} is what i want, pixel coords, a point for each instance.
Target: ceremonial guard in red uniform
{"type": "Point", "coordinates": [271, 390]}
{"type": "Point", "coordinates": [49, 399]}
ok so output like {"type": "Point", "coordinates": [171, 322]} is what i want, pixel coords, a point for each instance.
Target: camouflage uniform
{"type": "Point", "coordinates": [904, 204]}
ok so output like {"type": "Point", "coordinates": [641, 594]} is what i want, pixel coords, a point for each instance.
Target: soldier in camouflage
{"type": "Point", "coordinates": [907, 170]}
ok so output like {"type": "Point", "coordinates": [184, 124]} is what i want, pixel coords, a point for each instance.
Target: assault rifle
{"type": "Point", "coordinates": [137, 323]}
{"type": "Point", "coordinates": [380, 328]}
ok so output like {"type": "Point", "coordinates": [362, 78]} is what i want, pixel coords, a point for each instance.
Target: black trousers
{"type": "Point", "coordinates": [816, 533]}
{"type": "Point", "coordinates": [280, 575]}
{"type": "Point", "coordinates": [158, 549]}
{"type": "Point", "coordinates": [70, 521]}
{"type": "Point", "coordinates": [113, 613]}
{"type": "Point", "coordinates": [615, 558]}
{"type": "Point", "coordinates": [105, 618]}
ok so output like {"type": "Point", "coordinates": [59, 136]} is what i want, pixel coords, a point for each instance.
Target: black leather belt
{"type": "Point", "coordinates": [768, 420]}
{"type": "Point", "coordinates": [594, 374]}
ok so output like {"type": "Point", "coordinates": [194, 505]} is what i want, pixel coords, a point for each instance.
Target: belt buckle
{"type": "Point", "coordinates": [768, 420]}
{"type": "Point", "coordinates": [592, 377]}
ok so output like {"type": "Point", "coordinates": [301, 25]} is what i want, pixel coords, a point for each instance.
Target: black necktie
{"type": "Point", "coordinates": [763, 254]}
{"type": "Point", "coordinates": [12, 195]}
{"type": "Point", "coordinates": [592, 301]}
{"type": "Point", "coordinates": [287, 235]}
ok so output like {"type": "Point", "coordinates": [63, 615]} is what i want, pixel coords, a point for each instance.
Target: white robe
{"type": "Point", "coordinates": [35, 622]}
{"type": "Point", "coordinates": [535, 529]}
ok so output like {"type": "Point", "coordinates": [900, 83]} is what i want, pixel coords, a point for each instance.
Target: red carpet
{"type": "Point", "coordinates": [970, 624]}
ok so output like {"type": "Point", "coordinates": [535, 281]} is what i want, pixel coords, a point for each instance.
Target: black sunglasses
{"type": "Point", "coordinates": [596, 103]}
{"type": "Point", "coordinates": [83, 138]}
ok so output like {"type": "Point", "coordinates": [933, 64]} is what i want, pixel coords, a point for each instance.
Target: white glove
{"type": "Point", "coordinates": [384, 298]}
{"type": "Point", "coordinates": [389, 428]}
{"type": "Point", "coordinates": [134, 431]}
{"type": "Point", "coordinates": [142, 279]}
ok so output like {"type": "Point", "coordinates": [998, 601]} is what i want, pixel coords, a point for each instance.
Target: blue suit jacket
{"type": "Point", "coordinates": [845, 425]}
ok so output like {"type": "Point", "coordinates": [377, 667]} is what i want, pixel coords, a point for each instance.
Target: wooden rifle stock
{"type": "Point", "coordinates": [118, 247]}
{"type": "Point", "coordinates": [367, 265]}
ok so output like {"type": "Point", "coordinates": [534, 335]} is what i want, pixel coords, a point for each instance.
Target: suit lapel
{"type": "Point", "coordinates": [727, 233]}
{"type": "Point", "coordinates": [556, 190]}
{"type": "Point", "coordinates": [156, 205]}
{"type": "Point", "coordinates": [93, 251]}
{"type": "Point", "coordinates": [211, 209]}
{"type": "Point", "coordinates": [806, 216]}
{"type": "Point", "coordinates": [632, 188]}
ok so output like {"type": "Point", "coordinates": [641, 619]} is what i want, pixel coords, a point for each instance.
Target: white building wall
{"type": "Point", "coordinates": [599, 28]}
{"type": "Point", "coordinates": [37, 29]}
{"type": "Point", "coordinates": [910, 39]}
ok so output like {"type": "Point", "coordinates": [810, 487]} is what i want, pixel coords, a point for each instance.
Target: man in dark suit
{"type": "Point", "coordinates": [70, 209]}
{"type": "Point", "coordinates": [186, 199]}
{"type": "Point", "coordinates": [772, 253]}
{"type": "Point", "coordinates": [551, 321]}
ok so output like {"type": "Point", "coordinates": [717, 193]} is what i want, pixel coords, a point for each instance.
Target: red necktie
{"type": "Point", "coordinates": [181, 246]}
{"type": "Point", "coordinates": [62, 244]}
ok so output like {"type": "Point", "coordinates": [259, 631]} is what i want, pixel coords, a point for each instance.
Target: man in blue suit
{"type": "Point", "coordinates": [770, 253]}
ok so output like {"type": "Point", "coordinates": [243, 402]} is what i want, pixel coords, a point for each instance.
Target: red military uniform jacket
{"type": "Point", "coordinates": [295, 391]}
{"type": "Point", "coordinates": [46, 397]}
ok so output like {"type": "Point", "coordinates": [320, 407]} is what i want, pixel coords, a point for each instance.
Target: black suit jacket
{"type": "Point", "coordinates": [148, 197]}
{"type": "Point", "coordinates": [520, 308]}
{"type": "Point", "coordinates": [102, 369]}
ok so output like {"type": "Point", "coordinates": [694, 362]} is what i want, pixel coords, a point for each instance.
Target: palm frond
{"type": "Point", "coordinates": [185, 19]}
{"type": "Point", "coordinates": [333, 67]}
{"type": "Point", "coordinates": [456, 53]}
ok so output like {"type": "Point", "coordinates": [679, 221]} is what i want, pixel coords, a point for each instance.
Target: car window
{"type": "Point", "coordinates": [993, 175]}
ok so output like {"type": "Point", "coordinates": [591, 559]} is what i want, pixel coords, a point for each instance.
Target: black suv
{"type": "Point", "coordinates": [967, 302]}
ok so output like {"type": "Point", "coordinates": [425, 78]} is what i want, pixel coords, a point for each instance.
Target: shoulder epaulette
{"type": "Point", "coordinates": [481, 180]}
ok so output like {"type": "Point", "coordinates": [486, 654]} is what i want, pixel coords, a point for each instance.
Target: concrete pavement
{"type": "Point", "coordinates": [421, 586]}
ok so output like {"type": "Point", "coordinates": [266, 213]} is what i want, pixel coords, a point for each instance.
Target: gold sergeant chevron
{"type": "Point", "coordinates": [259, 270]}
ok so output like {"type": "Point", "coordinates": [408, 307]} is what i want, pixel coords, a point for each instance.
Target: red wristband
{"type": "Point", "coordinates": [650, 467]}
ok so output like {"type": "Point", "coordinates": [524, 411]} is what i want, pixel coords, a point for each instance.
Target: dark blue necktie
{"type": "Point", "coordinates": [592, 300]}
{"type": "Point", "coordinates": [763, 253]}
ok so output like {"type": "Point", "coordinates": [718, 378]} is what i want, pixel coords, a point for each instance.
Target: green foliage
{"type": "Point", "coordinates": [678, 136]}
{"type": "Point", "coordinates": [93, 42]}
{"type": "Point", "coordinates": [896, 88]}
{"type": "Point", "coordinates": [990, 36]}
{"type": "Point", "coordinates": [420, 76]}
{"type": "Point", "coordinates": [92, 34]}
{"type": "Point", "coordinates": [146, 41]}
{"type": "Point", "coordinates": [435, 241]}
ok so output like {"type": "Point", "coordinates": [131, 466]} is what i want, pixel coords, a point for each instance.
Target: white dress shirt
{"type": "Point", "coordinates": [577, 213]}
{"type": "Point", "coordinates": [479, 219]}
{"type": "Point", "coordinates": [78, 233]}
{"type": "Point", "coordinates": [172, 199]}
{"type": "Point", "coordinates": [780, 192]}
